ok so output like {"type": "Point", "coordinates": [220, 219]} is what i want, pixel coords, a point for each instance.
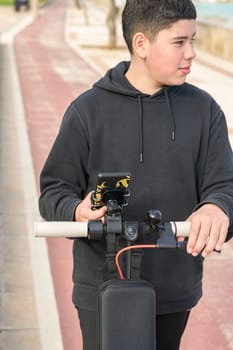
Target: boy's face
{"type": "Point", "coordinates": [168, 58]}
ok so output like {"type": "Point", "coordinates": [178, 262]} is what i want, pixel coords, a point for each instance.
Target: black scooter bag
{"type": "Point", "coordinates": [126, 315]}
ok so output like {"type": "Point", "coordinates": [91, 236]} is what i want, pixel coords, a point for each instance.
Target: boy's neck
{"type": "Point", "coordinates": [137, 76]}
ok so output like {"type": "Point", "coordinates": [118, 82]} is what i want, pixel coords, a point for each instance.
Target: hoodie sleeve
{"type": "Point", "coordinates": [63, 180]}
{"type": "Point", "coordinates": [217, 182]}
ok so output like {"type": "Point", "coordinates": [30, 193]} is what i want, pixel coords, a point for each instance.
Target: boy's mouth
{"type": "Point", "coordinates": [185, 70]}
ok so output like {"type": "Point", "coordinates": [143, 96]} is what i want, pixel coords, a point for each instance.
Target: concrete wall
{"type": "Point", "coordinates": [216, 38]}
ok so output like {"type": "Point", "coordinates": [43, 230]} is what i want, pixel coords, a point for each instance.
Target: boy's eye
{"type": "Point", "coordinates": [182, 42]}
{"type": "Point", "coordinates": [179, 42]}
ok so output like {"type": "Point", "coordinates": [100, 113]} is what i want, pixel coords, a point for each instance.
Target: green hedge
{"type": "Point", "coordinates": [6, 2]}
{"type": "Point", "coordinates": [11, 2]}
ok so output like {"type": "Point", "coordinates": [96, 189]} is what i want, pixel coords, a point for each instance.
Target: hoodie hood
{"type": "Point", "coordinates": [115, 81]}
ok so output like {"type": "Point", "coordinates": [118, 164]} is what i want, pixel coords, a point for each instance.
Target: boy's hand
{"type": "Point", "coordinates": [84, 212]}
{"type": "Point", "coordinates": [209, 226]}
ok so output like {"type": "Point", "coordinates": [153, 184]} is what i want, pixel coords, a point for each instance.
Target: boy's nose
{"type": "Point", "coordinates": [189, 52]}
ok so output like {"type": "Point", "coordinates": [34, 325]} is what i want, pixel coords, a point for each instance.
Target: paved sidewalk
{"type": "Point", "coordinates": [9, 19]}
{"type": "Point", "coordinates": [28, 313]}
{"type": "Point", "coordinates": [53, 69]}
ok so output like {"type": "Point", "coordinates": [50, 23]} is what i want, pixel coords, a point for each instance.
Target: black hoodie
{"type": "Point", "coordinates": [176, 147]}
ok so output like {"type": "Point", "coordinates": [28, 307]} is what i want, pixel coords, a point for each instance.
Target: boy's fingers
{"type": "Point", "coordinates": [199, 236]}
{"type": "Point", "coordinates": [193, 236]}
{"type": "Point", "coordinates": [97, 214]}
{"type": "Point", "coordinates": [209, 227]}
{"type": "Point", "coordinates": [212, 239]}
{"type": "Point", "coordinates": [206, 238]}
{"type": "Point", "coordinates": [222, 236]}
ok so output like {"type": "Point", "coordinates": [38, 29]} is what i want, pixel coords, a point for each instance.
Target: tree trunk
{"type": "Point", "coordinates": [82, 5]}
{"type": "Point", "coordinates": [77, 3]}
{"type": "Point", "coordinates": [111, 23]}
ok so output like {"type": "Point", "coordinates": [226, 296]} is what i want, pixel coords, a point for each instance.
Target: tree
{"type": "Point", "coordinates": [82, 5]}
{"type": "Point", "coordinates": [111, 23]}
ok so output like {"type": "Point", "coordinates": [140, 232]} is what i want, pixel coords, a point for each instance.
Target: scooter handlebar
{"type": "Point", "coordinates": [73, 229]}
{"type": "Point", "coordinates": [180, 228]}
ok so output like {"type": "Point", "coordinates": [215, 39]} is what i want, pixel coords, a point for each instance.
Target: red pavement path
{"type": "Point", "coordinates": [51, 76]}
{"type": "Point", "coordinates": [46, 67]}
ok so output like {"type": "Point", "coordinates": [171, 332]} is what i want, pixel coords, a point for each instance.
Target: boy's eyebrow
{"type": "Point", "coordinates": [183, 37]}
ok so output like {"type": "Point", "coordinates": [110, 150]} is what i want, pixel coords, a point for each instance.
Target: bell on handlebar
{"type": "Point", "coordinates": [154, 219]}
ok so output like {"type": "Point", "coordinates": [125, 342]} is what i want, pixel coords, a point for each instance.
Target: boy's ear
{"type": "Point", "coordinates": [139, 43]}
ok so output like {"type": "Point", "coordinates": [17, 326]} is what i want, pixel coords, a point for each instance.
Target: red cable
{"type": "Point", "coordinates": [140, 246]}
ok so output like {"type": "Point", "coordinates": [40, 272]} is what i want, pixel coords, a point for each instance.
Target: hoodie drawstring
{"type": "Point", "coordinates": [173, 124]}
{"type": "Point", "coordinates": [141, 150]}
{"type": "Point", "coordinates": [141, 136]}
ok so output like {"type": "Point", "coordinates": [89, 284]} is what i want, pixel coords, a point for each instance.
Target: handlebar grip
{"type": "Point", "coordinates": [69, 229]}
{"type": "Point", "coordinates": [181, 228]}
{"type": "Point", "coordinates": [73, 229]}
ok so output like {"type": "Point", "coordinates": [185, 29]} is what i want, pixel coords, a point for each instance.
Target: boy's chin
{"type": "Point", "coordinates": [178, 82]}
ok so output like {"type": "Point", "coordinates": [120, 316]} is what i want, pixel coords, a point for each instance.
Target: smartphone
{"type": "Point", "coordinates": [111, 185]}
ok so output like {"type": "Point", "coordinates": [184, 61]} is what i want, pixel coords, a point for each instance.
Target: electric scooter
{"type": "Point", "coordinates": [126, 306]}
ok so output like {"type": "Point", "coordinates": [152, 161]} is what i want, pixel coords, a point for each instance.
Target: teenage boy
{"type": "Point", "coordinates": [143, 118]}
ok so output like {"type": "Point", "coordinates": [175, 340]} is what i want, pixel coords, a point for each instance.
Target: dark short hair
{"type": "Point", "coordinates": [151, 16]}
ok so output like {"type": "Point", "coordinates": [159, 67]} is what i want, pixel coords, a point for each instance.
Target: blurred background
{"type": "Point", "coordinates": [50, 52]}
